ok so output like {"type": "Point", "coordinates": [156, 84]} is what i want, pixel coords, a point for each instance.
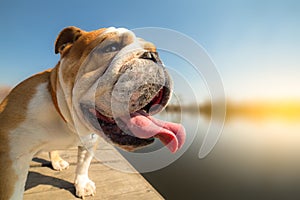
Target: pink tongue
{"type": "Point", "coordinates": [144, 126]}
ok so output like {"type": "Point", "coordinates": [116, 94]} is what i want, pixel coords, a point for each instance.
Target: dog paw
{"type": "Point", "coordinates": [84, 186]}
{"type": "Point", "coordinates": [60, 165]}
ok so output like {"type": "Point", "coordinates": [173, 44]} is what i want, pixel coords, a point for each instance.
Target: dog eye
{"type": "Point", "coordinates": [111, 48]}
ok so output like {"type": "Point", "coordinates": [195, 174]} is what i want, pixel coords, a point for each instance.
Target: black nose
{"type": "Point", "coordinates": [150, 56]}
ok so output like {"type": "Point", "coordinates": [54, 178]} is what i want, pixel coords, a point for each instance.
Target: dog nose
{"type": "Point", "coordinates": [150, 56]}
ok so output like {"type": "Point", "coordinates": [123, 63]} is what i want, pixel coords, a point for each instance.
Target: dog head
{"type": "Point", "coordinates": [110, 82]}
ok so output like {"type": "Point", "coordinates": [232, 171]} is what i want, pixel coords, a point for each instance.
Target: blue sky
{"type": "Point", "coordinates": [255, 44]}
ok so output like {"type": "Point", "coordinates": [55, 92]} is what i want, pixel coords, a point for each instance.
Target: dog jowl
{"type": "Point", "coordinates": [108, 83]}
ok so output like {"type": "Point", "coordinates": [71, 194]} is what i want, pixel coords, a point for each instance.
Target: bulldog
{"type": "Point", "coordinates": [108, 83]}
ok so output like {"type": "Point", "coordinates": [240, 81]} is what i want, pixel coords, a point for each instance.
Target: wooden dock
{"type": "Point", "coordinates": [44, 183]}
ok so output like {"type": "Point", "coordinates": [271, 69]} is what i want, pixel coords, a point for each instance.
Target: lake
{"type": "Point", "coordinates": [253, 159]}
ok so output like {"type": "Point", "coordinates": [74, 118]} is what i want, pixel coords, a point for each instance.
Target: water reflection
{"type": "Point", "coordinates": [257, 156]}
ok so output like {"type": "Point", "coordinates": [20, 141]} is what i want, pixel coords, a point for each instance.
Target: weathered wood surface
{"type": "Point", "coordinates": [44, 183]}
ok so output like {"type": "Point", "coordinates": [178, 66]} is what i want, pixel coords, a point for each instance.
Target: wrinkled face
{"type": "Point", "coordinates": [108, 77]}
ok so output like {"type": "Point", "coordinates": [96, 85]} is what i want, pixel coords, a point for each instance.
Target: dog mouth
{"type": "Point", "coordinates": [138, 128]}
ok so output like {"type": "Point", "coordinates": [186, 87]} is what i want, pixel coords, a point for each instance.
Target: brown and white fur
{"type": "Point", "coordinates": [30, 123]}
{"type": "Point", "coordinates": [37, 114]}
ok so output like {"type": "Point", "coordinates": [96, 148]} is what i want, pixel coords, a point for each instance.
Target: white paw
{"type": "Point", "coordinates": [84, 186]}
{"type": "Point", "coordinates": [60, 165]}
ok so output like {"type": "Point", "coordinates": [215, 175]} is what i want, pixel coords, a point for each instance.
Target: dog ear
{"type": "Point", "coordinates": [67, 36]}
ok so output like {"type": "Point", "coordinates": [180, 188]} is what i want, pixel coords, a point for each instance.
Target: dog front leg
{"type": "Point", "coordinates": [84, 186]}
{"type": "Point", "coordinates": [57, 162]}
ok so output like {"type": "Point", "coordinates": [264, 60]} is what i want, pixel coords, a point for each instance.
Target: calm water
{"type": "Point", "coordinates": [252, 160]}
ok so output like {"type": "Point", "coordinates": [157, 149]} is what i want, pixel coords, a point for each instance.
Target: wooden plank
{"type": "Point", "coordinates": [44, 183]}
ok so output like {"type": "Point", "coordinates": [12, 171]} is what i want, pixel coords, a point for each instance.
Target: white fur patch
{"type": "Point", "coordinates": [41, 130]}
{"type": "Point", "coordinates": [113, 29]}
